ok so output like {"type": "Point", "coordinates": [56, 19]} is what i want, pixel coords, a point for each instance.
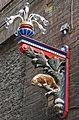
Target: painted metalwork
{"type": "Point", "coordinates": [27, 22]}
{"type": "Point", "coordinates": [55, 77]}
{"type": "Point", "coordinates": [55, 62]}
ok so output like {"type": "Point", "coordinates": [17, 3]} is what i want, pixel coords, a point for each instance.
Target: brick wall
{"type": "Point", "coordinates": [19, 100]}
{"type": "Point", "coordinates": [4, 3]}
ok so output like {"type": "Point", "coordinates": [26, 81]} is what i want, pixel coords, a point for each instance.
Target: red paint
{"type": "Point", "coordinates": [23, 47]}
{"type": "Point", "coordinates": [67, 84]}
{"type": "Point", "coordinates": [26, 26]}
{"type": "Point", "coordinates": [48, 54]}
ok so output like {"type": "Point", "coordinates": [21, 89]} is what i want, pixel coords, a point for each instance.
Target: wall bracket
{"type": "Point", "coordinates": [55, 62]}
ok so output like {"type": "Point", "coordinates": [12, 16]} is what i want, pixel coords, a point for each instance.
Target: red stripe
{"type": "Point", "coordinates": [67, 85]}
{"type": "Point", "coordinates": [50, 55]}
{"type": "Point", "coordinates": [67, 79]}
{"type": "Point", "coordinates": [26, 26]}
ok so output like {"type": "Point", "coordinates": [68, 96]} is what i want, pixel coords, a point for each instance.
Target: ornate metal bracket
{"type": "Point", "coordinates": [55, 62]}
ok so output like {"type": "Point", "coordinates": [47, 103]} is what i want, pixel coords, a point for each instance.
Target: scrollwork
{"type": "Point", "coordinates": [52, 78]}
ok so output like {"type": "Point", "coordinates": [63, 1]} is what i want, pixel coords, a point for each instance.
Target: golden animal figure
{"type": "Point", "coordinates": [47, 82]}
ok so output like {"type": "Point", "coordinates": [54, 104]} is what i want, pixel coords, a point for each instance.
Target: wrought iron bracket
{"type": "Point", "coordinates": [55, 62]}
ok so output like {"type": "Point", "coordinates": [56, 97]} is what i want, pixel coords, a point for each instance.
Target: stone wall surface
{"type": "Point", "coordinates": [19, 100]}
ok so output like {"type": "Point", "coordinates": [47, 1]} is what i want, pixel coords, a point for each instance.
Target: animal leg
{"type": "Point", "coordinates": [47, 87]}
{"type": "Point", "coordinates": [52, 91]}
{"type": "Point", "coordinates": [39, 84]}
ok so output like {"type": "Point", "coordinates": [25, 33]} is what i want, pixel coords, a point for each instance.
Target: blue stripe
{"type": "Point", "coordinates": [41, 44]}
{"type": "Point", "coordinates": [64, 87]}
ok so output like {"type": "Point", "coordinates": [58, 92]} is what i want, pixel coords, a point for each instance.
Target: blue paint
{"type": "Point", "coordinates": [25, 38]}
{"type": "Point", "coordinates": [25, 31]}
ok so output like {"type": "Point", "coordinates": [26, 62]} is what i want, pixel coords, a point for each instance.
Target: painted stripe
{"type": "Point", "coordinates": [40, 45]}
{"type": "Point", "coordinates": [42, 48]}
{"type": "Point", "coordinates": [23, 26]}
{"type": "Point", "coordinates": [66, 84]}
{"type": "Point", "coordinates": [25, 38]}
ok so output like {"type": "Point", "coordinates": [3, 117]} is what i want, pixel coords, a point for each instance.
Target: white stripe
{"type": "Point", "coordinates": [51, 51]}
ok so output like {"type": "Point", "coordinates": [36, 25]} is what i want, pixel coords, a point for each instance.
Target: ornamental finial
{"type": "Point", "coordinates": [27, 21]}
